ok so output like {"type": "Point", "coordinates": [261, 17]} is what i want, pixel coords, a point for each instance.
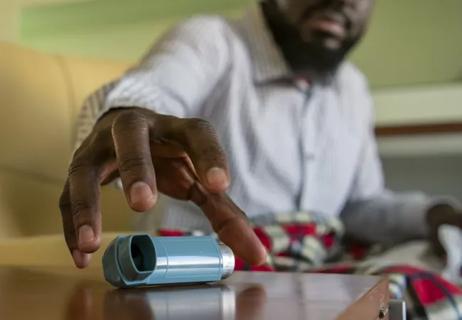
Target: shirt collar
{"type": "Point", "coordinates": [267, 58]}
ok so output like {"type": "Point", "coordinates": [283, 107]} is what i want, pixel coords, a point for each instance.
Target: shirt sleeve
{"type": "Point", "coordinates": [376, 214]}
{"type": "Point", "coordinates": [174, 77]}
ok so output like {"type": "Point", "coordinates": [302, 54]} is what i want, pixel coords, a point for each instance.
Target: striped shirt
{"type": "Point", "coordinates": [291, 146]}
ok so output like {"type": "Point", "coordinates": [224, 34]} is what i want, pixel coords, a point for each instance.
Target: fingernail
{"type": "Point", "coordinates": [81, 259]}
{"type": "Point", "coordinates": [140, 192]}
{"type": "Point", "coordinates": [86, 236]}
{"type": "Point", "coordinates": [217, 177]}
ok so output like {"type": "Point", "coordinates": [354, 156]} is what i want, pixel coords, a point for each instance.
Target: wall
{"type": "Point", "coordinates": [10, 16]}
{"type": "Point", "coordinates": [434, 174]}
{"type": "Point", "coordinates": [410, 42]}
{"type": "Point", "coordinates": [98, 28]}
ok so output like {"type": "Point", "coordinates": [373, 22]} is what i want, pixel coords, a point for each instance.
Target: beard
{"type": "Point", "coordinates": [311, 58]}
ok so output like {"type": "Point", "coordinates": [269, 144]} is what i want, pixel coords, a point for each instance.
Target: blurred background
{"type": "Point", "coordinates": [412, 57]}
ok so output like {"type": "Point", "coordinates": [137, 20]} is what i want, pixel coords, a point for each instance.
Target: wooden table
{"type": "Point", "coordinates": [65, 293]}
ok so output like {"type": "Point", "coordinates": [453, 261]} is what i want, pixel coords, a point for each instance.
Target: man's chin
{"type": "Point", "coordinates": [320, 60]}
{"type": "Point", "coordinates": [324, 42]}
{"type": "Point", "coordinates": [323, 55]}
{"type": "Point", "coordinates": [331, 44]}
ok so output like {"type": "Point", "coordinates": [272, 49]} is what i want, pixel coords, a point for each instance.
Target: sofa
{"type": "Point", "coordinates": [40, 97]}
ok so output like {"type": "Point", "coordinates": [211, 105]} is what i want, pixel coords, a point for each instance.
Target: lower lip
{"type": "Point", "coordinates": [326, 26]}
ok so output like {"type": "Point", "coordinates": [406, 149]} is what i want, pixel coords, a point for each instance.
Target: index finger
{"type": "Point", "coordinates": [230, 224]}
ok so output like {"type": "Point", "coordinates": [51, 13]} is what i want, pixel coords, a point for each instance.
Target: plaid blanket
{"type": "Point", "coordinates": [304, 243]}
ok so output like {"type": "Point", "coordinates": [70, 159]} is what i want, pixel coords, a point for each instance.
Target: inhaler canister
{"type": "Point", "coordinates": [143, 260]}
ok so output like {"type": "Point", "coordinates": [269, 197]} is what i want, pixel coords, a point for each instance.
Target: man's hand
{"type": "Point", "coordinates": [151, 153]}
{"type": "Point", "coordinates": [437, 216]}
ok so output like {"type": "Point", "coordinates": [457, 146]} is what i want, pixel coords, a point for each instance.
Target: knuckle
{"type": "Point", "coordinates": [133, 163]}
{"type": "Point", "coordinates": [96, 147]}
{"type": "Point", "coordinates": [213, 152]}
{"type": "Point", "coordinates": [199, 125]}
{"type": "Point", "coordinates": [80, 206]}
{"type": "Point", "coordinates": [203, 130]}
{"type": "Point", "coordinates": [129, 120]}
{"type": "Point", "coordinates": [82, 160]}
{"type": "Point", "coordinates": [101, 137]}
{"type": "Point", "coordinates": [80, 152]}
{"type": "Point", "coordinates": [78, 166]}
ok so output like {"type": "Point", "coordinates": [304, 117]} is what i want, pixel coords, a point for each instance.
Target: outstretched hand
{"type": "Point", "coordinates": [152, 153]}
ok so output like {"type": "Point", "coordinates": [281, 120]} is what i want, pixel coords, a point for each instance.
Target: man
{"type": "Point", "coordinates": [263, 109]}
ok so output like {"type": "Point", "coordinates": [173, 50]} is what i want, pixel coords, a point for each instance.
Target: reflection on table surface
{"type": "Point", "coordinates": [193, 302]}
{"type": "Point", "coordinates": [70, 294]}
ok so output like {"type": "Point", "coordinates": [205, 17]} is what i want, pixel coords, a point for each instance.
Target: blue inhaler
{"type": "Point", "coordinates": [143, 260]}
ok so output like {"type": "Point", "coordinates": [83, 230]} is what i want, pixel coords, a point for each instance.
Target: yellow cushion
{"type": "Point", "coordinates": [28, 204]}
{"type": "Point", "coordinates": [35, 127]}
{"type": "Point", "coordinates": [40, 96]}
{"type": "Point", "coordinates": [87, 75]}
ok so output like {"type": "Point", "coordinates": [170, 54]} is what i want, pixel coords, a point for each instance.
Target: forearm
{"type": "Point", "coordinates": [388, 218]}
